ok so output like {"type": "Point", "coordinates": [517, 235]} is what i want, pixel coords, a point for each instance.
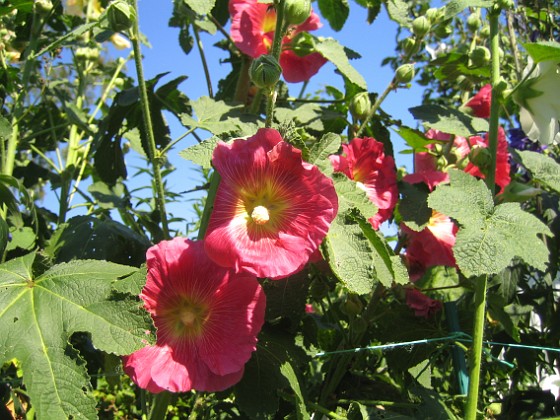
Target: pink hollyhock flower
{"type": "Point", "coordinates": [480, 103]}
{"type": "Point", "coordinates": [272, 210]}
{"type": "Point", "coordinates": [207, 320]}
{"type": "Point", "coordinates": [503, 177]}
{"type": "Point", "coordinates": [364, 161]}
{"type": "Point", "coordinates": [421, 304]}
{"type": "Point", "coordinates": [252, 30]}
{"type": "Point", "coordinates": [431, 246]}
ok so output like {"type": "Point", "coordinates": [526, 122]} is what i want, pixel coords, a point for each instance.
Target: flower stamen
{"type": "Point", "coordinates": [260, 215]}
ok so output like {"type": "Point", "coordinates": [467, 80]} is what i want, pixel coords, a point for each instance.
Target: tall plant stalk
{"type": "Point", "coordinates": [275, 52]}
{"type": "Point", "coordinates": [153, 153]}
{"type": "Point", "coordinates": [481, 282]}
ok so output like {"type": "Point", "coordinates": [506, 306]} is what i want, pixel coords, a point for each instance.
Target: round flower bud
{"type": "Point", "coordinates": [443, 30]}
{"type": "Point", "coordinates": [485, 31]}
{"type": "Point", "coordinates": [420, 26]}
{"type": "Point", "coordinates": [480, 56]}
{"type": "Point", "coordinates": [42, 7]}
{"type": "Point", "coordinates": [265, 71]}
{"type": "Point", "coordinates": [480, 156]}
{"type": "Point", "coordinates": [405, 73]}
{"type": "Point", "coordinates": [360, 105]}
{"type": "Point", "coordinates": [121, 16]}
{"type": "Point", "coordinates": [433, 14]}
{"type": "Point", "coordinates": [297, 11]}
{"type": "Point", "coordinates": [409, 46]}
{"type": "Point", "coordinates": [473, 22]}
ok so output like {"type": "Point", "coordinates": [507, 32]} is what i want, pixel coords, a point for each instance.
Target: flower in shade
{"type": "Point", "coordinates": [431, 246]}
{"type": "Point", "coordinates": [364, 161]}
{"type": "Point", "coordinates": [480, 103]}
{"type": "Point", "coordinates": [207, 320]}
{"type": "Point", "coordinates": [271, 211]}
{"type": "Point", "coordinates": [421, 304]}
{"type": "Point", "coordinates": [252, 29]}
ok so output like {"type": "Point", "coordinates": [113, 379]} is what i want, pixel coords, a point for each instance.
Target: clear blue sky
{"type": "Point", "coordinates": [374, 42]}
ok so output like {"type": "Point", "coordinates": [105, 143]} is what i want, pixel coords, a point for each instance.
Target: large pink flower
{"type": "Point", "coordinates": [272, 210]}
{"type": "Point", "coordinates": [207, 320]}
{"type": "Point", "coordinates": [365, 162]}
{"type": "Point", "coordinates": [252, 30]}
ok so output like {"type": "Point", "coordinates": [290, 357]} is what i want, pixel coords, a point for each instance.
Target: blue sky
{"type": "Point", "coordinates": [374, 42]}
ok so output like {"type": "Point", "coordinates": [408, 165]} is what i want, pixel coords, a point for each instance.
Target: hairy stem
{"type": "Point", "coordinates": [275, 52]}
{"type": "Point", "coordinates": [153, 153]}
{"type": "Point", "coordinates": [204, 62]}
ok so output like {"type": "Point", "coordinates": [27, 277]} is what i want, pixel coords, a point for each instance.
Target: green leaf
{"type": "Point", "coordinates": [351, 196]}
{"type": "Point", "coordinates": [413, 207]}
{"type": "Point", "coordinates": [4, 231]}
{"type": "Point", "coordinates": [334, 52]}
{"type": "Point", "coordinates": [212, 116]}
{"type": "Point", "coordinates": [288, 372]}
{"type": "Point", "coordinates": [490, 236]}
{"type": "Point", "coordinates": [39, 315]}
{"type": "Point", "coordinates": [449, 120]}
{"type": "Point", "coordinates": [22, 237]}
{"type": "Point", "coordinates": [5, 128]}
{"type": "Point", "coordinates": [107, 196]}
{"type": "Point", "coordinates": [306, 114]}
{"type": "Point", "coordinates": [350, 255]}
{"type": "Point", "coordinates": [201, 154]}
{"type": "Point", "coordinates": [132, 284]}
{"type": "Point", "coordinates": [543, 168]}
{"type": "Point", "coordinates": [398, 11]}
{"type": "Point", "coordinates": [443, 278]}
{"type": "Point", "coordinates": [543, 51]}
{"type": "Point", "coordinates": [454, 7]}
{"type": "Point", "coordinates": [335, 11]}
{"type": "Point", "coordinates": [414, 138]}
{"type": "Point", "coordinates": [201, 7]}
{"type": "Point", "coordinates": [320, 151]}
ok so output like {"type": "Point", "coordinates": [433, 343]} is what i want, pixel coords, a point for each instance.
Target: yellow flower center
{"type": "Point", "coordinates": [260, 215]}
{"type": "Point", "coordinates": [186, 319]}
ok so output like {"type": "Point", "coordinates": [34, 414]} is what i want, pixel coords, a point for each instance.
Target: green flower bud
{"type": "Point", "coordinates": [360, 105]}
{"type": "Point", "coordinates": [352, 306]}
{"type": "Point", "coordinates": [485, 31]}
{"type": "Point", "coordinates": [421, 26]}
{"type": "Point", "coordinates": [443, 30]}
{"type": "Point", "coordinates": [474, 22]}
{"type": "Point", "coordinates": [296, 11]}
{"type": "Point", "coordinates": [433, 14]}
{"type": "Point", "coordinates": [481, 157]}
{"type": "Point", "coordinates": [405, 73]}
{"type": "Point", "coordinates": [121, 16]}
{"type": "Point", "coordinates": [86, 53]}
{"type": "Point", "coordinates": [42, 7]}
{"type": "Point", "coordinates": [480, 56]}
{"type": "Point", "coordinates": [409, 46]}
{"type": "Point", "coordinates": [265, 71]}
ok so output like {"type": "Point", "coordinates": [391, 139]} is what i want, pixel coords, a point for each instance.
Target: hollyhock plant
{"type": "Point", "coordinates": [207, 320]}
{"type": "Point", "coordinates": [364, 161]}
{"type": "Point", "coordinates": [422, 305]}
{"type": "Point", "coordinates": [252, 30]}
{"type": "Point", "coordinates": [271, 211]}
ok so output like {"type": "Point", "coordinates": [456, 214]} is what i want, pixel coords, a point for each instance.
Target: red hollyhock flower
{"type": "Point", "coordinates": [431, 246]}
{"type": "Point", "coordinates": [480, 103]}
{"type": "Point", "coordinates": [252, 30]}
{"type": "Point", "coordinates": [421, 304]}
{"type": "Point", "coordinates": [365, 162]}
{"type": "Point", "coordinates": [207, 320]}
{"type": "Point", "coordinates": [272, 210]}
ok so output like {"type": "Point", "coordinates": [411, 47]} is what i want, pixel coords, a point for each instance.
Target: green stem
{"type": "Point", "coordinates": [160, 402]}
{"type": "Point", "coordinates": [153, 154]}
{"type": "Point", "coordinates": [279, 31]}
{"type": "Point", "coordinates": [376, 106]}
{"type": "Point", "coordinates": [476, 354]}
{"type": "Point", "coordinates": [204, 62]}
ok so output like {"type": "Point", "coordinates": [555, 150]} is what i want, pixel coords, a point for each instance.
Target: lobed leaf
{"type": "Point", "coordinates": [334, 52]}
{"type": "Point", "coordinates": [201, 154]}
{"type": "Point", "coordinates": [335, 11]}
{"type": "Point", "coordinates": [449, 120]}
{"type": "Point", "coordinates": [490, 236]}
{"type": "Point", "coordinates": [543, 168]}
{"type": "Point", "coordinates": [543, 51]}
{"type": "Point", "coordinates": [320, 151]}
{"type": "Point", "coordinates": [39, 315]}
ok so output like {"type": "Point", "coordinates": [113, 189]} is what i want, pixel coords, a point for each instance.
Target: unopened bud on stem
{"type": "Point", "coordinates": [121, 15]}
{"type": "Point", "coordinates": [265, 71]}
{"type": "Point", "coordinates": [297, 11]}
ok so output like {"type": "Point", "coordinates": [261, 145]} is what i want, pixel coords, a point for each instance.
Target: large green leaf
{"type": "Point", "coordinates": [334, 52]}
{"type": "Point", "coordinates": [202, 7]}
{"type": "Point", "coordinates": [350, 195]}
{"type": "Point", "coordinates": [398, 11]}
{"type": "Point", "coordinates": [543, 168]}
{"type": "Point", "coordinates": [288, 372]}
{"type": "Point", "coordinates": [454, 7]}
{"type": "Point", "coordinates": [38, 316]}
{"type": "Point", "coordinates": [335, 11]}
{"type": "Point", "coordinates": [449, 120]}
{"type": "Point", "coordinates": [490, 236]}
{"type": "Point", "coordinates": [320, 151]}
{"type": "Point", "coordinates": [201, 153]}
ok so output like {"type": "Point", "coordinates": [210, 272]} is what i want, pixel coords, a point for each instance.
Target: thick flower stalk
{"type": "Point", "coordinates": [207, 319]}
{"type": "Point", "coordinates": [252, 29]}
{"type": "Point", "coordinates": [271, 211]}
{"type": "Point", "coordinates": [364, 161]}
